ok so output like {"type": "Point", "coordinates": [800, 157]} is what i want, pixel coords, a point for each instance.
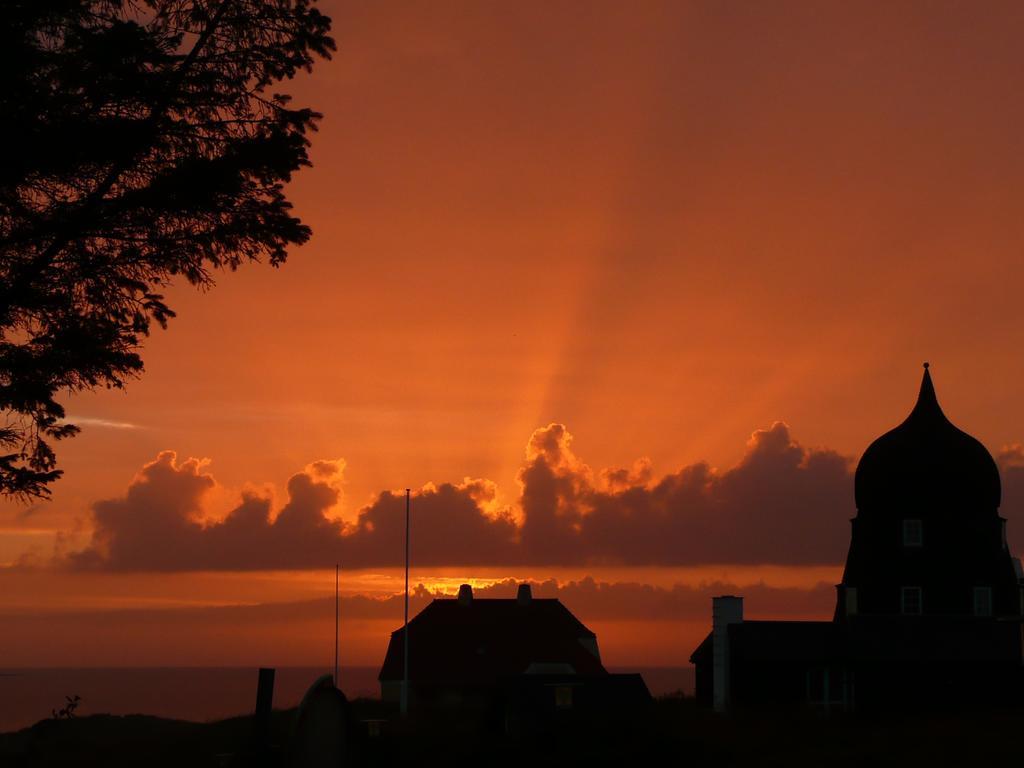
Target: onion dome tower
{"type": "Point", "coordinates": [928, 540]}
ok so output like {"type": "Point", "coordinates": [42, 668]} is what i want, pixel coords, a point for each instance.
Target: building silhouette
{"type": "Point", "coordinates": [929, 609]}
{"type": "Point", "coordinates": [524, 661]}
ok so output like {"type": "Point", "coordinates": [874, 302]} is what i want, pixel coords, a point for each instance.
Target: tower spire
{"type": "Point", "coordinates": [927, 403]}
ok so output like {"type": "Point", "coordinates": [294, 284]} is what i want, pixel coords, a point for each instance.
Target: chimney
{"type": "Point", "coordinates": [466, 595]}
{"type": "Point", "coordinates": [725, 610]}
{"type": "Point", "coordinates": [264, 704]}
{"type": "Point", "coordinates": [525, 595]}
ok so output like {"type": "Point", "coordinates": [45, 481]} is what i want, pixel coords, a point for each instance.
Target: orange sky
{"type": "Point", "coordinates": [664, 226]}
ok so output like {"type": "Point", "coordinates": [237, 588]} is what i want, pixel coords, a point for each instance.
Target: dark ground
{"type": "Point", "coordinates": [673, 731]}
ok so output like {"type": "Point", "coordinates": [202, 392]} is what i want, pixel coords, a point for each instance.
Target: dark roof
{"type": "Point", "coordinates": [456, 643]}
{"type": "Point", "coordinates": [902, 638]}
{"type": "Point", "coordinates": [786, 640]}
{"type": "Point", "coordinates": [777, 641]}
{"type": "Point", "coordinates": [927, 459]}
{"type": "Point", "coordinates": [702, 654]}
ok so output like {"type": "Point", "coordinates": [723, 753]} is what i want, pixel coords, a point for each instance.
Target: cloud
{"type": "Point", "coordinates": [637, 601]}
{"type": "Point", "coordinates": [299, 632]}
{"type": "Point", "coordinates": [587, 597]}
{"type": "Point", "coordinates": [143, 529]}
{"type": "Point", "coordinates": [782, 503]}
{"type": "Point", "coordinates": [451, 525]}
{"type": "Point", "coordinates": [90, 421]}
{"type": "Point", "coordinates": [158, 525]}
{"type": "Point", "coordinates": [29, 512]}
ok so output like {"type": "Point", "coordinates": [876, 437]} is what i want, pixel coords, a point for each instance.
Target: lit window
{"type": "Point", "coordinates": [983, 601]}
{"type": "Point", "coordinates": [911, 601]}
{"type": "Point", "coordinates": [913, 533]}
{"type": "Point", "coordinates": [851, 601]}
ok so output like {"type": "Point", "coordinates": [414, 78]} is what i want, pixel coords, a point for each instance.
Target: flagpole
{"type": "Point", "coordinates": [405, 625]}
{"type": "Point", "coordinates": [336, 616]}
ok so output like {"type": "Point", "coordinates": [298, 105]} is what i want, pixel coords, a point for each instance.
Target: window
{"type": "Point", "coordinates": [911, 601]}
{"type": "Point", "coordinates": [830, 688]}
{"type": "Point", "coordinates": [983, 601]}
{"type": "Point", "coordinates": [851, 601]}
{"type": "Point", "coordinates": [913, 533]}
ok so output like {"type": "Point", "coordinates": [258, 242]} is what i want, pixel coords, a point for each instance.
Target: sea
{"type": "Point", "coordinates": [202, 694]}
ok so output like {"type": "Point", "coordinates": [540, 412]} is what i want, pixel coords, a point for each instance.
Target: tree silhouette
{"type": "Point", "coordinates": [143, 142]}
{"type": "Point", "coordinates": [67, 712]}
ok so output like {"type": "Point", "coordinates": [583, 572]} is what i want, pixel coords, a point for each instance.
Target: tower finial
{"type": "Point", "coordinates": [927, 404]}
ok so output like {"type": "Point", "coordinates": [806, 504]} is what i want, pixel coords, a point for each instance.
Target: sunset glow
{"type": "Point", "coordinates": [621, 297]}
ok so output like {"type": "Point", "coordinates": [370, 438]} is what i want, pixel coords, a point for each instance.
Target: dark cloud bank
{"type": "Point", "coordinates": [782, 503]}
{"type": "Point", "coordinates": [597, 600]}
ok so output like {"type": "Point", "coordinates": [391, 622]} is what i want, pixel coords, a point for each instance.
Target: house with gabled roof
{"type": "Point", "coordinates": [468, 652]}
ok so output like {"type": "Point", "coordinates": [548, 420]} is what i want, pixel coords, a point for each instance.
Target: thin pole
{"type": "Point", "coordinates": [405, 625]}
{"type": "Point", "coordinates": [337, 569]}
